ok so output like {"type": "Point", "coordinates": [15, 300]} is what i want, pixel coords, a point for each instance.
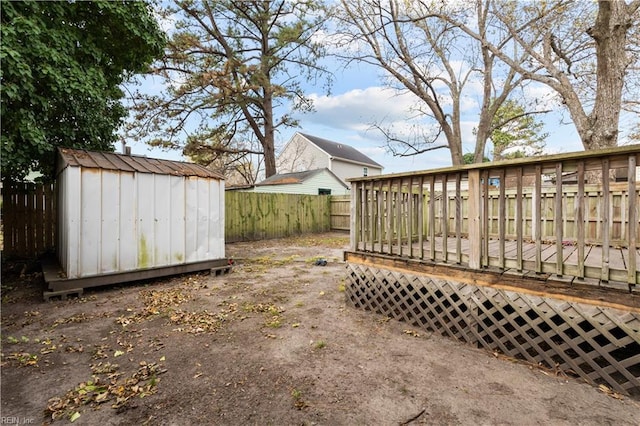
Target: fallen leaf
{"type": "Point", "coordinates": [118, 353]}
{"type": "Point", "coordinates": [75, 416]}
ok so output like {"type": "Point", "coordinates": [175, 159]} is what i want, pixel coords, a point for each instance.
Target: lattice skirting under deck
{"type": "Point", "coordinates": [599, 344]}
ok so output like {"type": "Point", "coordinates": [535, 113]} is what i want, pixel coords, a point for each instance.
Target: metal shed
{"type": "Point", "coordinates": [123, 218]}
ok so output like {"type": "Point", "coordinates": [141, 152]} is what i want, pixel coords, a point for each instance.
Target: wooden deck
{"type": "Point", "coordinates": [458, 249]}
{"type": "Point", "coordinates": [512, 257]}
{"type": "Point", "coordinates": [518, 217]}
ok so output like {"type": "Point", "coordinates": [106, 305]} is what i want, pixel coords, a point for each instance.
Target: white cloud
{"type": "Point", "coordinates": [166, 22]}
{"type": "Point", "coordinates": [540, 97]}
{"type": "Point", "coordinates": [357, 109]}
{"type": "Point", "coordinates": [348, 117]}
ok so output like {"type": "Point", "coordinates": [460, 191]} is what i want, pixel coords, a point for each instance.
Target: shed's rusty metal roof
{"type": "Point", "coordinates": [129, 163]}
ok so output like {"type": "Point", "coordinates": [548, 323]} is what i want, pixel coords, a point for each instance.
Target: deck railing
{"type": "Point", "coordinates": [569, 215]}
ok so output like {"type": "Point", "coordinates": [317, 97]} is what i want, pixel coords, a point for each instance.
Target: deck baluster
{"type": "Point", "coordinates": [537, 217]}
{"type": "Point", "coordinates": [558, 219]}
{"type": "Point", "coordinates": [606, 200]}
{"type": "Point", "coordinates": [633, 222]}
{"type": "Point", "coordinates": [579, 200]}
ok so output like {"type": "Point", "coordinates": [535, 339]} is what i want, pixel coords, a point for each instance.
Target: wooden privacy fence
{"type": "Point", "coordinates": [257, 216]}
{"type": "Point", "coordinates": [593, 206]}
{"type": "Point", "coordinates": [340, 212]}
{"type": "Point", "coordinates": [588, 232]}
{"type": "Point", "coordinates": [28, 219]}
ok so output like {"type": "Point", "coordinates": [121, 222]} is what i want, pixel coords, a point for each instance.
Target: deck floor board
{"type": "Point", "coordinates": [618, 256]}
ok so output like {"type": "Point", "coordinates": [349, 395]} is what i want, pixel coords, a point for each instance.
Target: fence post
{"type": "Point", "coordinates": [475, 231]}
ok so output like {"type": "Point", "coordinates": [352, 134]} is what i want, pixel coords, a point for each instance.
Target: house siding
{"type": "Point", "coordinates": [309, 187]}
{"type": "Point", "coordinates": [299, 155]}
{"type": "Point", "coordinates": [346, 170]}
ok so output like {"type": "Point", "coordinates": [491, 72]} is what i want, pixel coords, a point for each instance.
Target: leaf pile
{"type": "Point", "coordinates": [202, 321]}
{"type": "Point", "coordinates": [24, 359]}
{"type": "Point", "coordinates": [106, 386]}
{"type": "Point", "coordinates": [197, 322]}
{"type": "Point", "coordinates": [157, 302]}
{"type": "Point", "coordinates": [77, 318]}
{"type": "Point", "coordinates": [272, 313]}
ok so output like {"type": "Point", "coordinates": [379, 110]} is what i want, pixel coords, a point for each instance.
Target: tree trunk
{"type": "Point", "coordinates": [268, 144]}
{"type": "Point", "coordinates": [457, 158]}
{"type": "Point", "coordinates": [610, 36]}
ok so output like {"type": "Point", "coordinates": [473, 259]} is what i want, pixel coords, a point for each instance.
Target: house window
{"type": "Point", "coordinates": [324, 191]}
{"type": "Point", "coordinates": [365, 171]}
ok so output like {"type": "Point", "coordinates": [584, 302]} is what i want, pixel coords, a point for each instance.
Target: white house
{"type": "Point", "coordinates": [305, 152]}
{"type": "Point", "coordinates": [312, 182]}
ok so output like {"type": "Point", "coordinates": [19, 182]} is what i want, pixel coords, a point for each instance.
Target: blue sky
{"type": "Point", "coordinates": [359, 98]}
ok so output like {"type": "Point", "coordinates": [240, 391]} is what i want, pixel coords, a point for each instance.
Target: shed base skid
{"type": "Point", "coordinates": [59, 285]}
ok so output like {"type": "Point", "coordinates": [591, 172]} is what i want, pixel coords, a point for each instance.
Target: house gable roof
{"type": "Point", "coordinates": [129, 163]}
{"type": "Point", "coordinates": [296, 178]}
{"type": "Point", "coordinates": [340, 151]}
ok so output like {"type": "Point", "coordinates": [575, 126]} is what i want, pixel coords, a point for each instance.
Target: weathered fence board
{"type": "Point", "coordinates": [340, 212]}
{"type": "Point", "coordinates": [257, 216]}
{"type": "Point", "coordinates": [28, 219]}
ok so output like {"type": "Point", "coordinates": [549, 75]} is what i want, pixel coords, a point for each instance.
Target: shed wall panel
{"type": "Point", "coordinates": [146, 223]}
{"type": "Point", "coordinates": [114, 221]}
{"type": "Point", "coordinates": [202, 232]}
{"type": "Point", "coordinates": [216, 217]}
{"type": "Point", "coordinates": [62, 234]}
{"type": "Point", "coordinates": [110, 211]}
{"type": "Point", "coordinates": [191, 220]}
{"type": "Point", "coordinates": [162, 220]}
{"type": "Point", "coordinates": [63, 220]}
{"type": "Point", "coordinates": [73, 211]}
{"type": "Point", "coordinates": [127, 235]}
{"type": "Point", "coordinates": [91, 214]}
{"type": "Point", "coordinates": [177, 232]}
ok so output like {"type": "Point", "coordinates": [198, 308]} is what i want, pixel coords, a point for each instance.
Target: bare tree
{"type": "Point", "coordinates": [230, 69]}
{"type": "Point", "coordinates": [239, 165]}
{"type": "Point", "coordinates": [584, 51]}
{"type": "Point", "coordinates": [436, 61]}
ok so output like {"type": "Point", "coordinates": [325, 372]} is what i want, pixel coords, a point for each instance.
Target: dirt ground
{"type": "Point", "coordinates": [272, 342]}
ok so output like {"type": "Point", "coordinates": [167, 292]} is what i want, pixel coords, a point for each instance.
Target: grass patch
{"type": "Point", "coordinates": [320, 344]}
{"type": "Point", "coordinates": [272, 313]}
{"type": "Point", "coordinates": [269, 261]}
{"type": "Point", "coordinates": [274, 322]}
{"type": "Point", "coordinates": [330, 242]}
{"type": "Point", "coordinates": [298, 402]}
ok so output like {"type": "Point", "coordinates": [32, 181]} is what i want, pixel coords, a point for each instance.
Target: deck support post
{"type": "Point", "coordinates": [475, 231]}
{"type": "Point", "coordinates": [353, 235]}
